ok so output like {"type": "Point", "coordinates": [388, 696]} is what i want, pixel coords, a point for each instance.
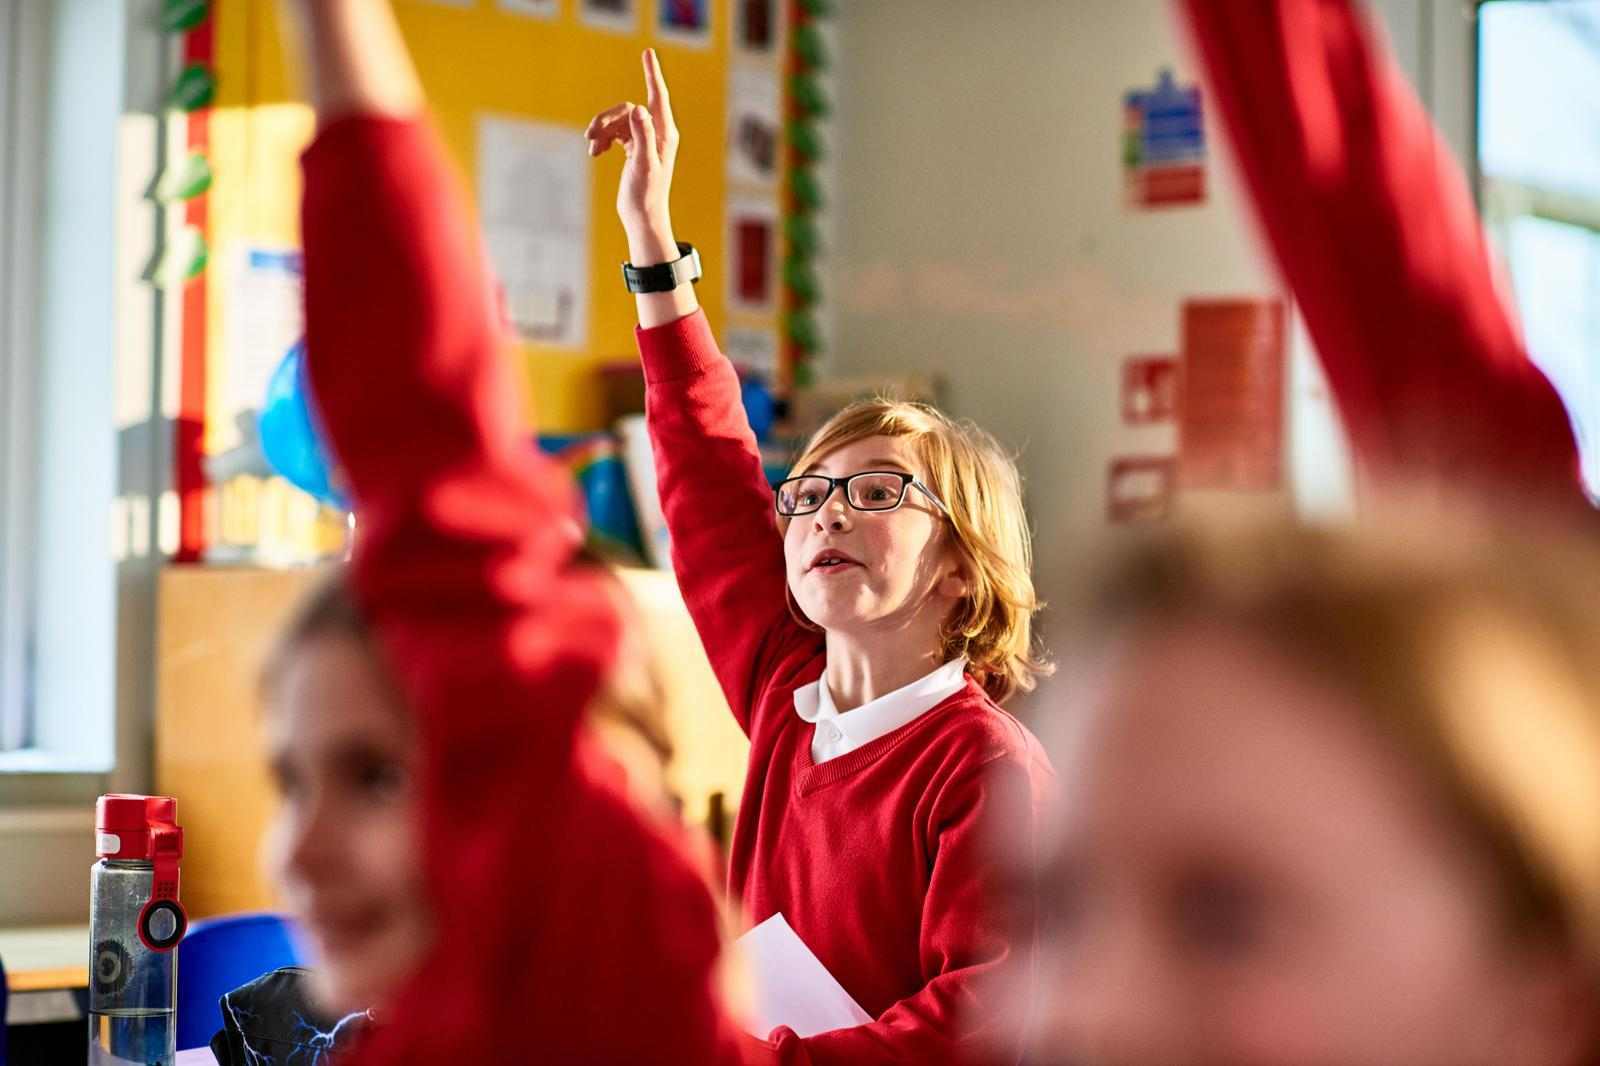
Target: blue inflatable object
{"type": "Point", "coordinates": [598, 469]}
{"type": "Point", "coordinates": [759, 407]}
{"type": "Point", "coordinates": [289, 437]}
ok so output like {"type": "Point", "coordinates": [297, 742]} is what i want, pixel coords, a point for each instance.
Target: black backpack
{"type": "Point", "coordinates": [271, 1022]}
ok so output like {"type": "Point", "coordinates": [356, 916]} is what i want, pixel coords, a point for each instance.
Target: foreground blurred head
{"type": "Point", "coordinates": [344, 848]}
{"type": "Point", "coordinates": [1329, 798]}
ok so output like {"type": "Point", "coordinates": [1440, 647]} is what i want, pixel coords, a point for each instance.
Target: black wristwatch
{"type": "Point", "coordinates": [664, 277]}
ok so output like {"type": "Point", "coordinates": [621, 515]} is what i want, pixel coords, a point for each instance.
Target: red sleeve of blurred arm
{"type": "Point", "coordinates": [1373, 226]}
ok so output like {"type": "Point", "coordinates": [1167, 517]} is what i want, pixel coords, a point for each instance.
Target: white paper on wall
{"type": "Point", "coordinates": [533, 198]}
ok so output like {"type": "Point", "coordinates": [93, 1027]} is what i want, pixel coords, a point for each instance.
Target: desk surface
{"type": "Point", "coordinates": [45, 957]}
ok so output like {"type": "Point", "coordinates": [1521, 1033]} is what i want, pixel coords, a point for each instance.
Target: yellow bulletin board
{"type": "Point", "coordinates": [477, 59]}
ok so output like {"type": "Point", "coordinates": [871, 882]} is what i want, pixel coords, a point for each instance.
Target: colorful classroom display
{"type": "Point", "coordinates": [1164, 145]}
{"type": "Point", "coordinates": [512, 118]}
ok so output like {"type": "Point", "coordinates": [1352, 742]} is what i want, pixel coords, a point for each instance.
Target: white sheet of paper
{"type": "Point", "coordinates": [793, 988]}
{"type": "Point", "coordinates": [200, 1056]}
{"type": "Point", "coordinates": [264, 321]}
{"type": "Point", "coordinates": [639, 458]}
{"type": "Point", "coordinates": [533, 197]}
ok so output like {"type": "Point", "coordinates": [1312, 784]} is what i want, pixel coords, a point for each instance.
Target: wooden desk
{"type": "Point", "coordinates": [45, 958]}
{"type": "Point", "coordinates": [47, 973]}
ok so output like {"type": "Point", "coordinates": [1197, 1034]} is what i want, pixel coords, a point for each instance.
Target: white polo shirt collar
{"type": "Point", "coordinates": [835, 734]}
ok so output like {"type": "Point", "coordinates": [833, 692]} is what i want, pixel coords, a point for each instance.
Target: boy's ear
{"type": "Point", "coordinates": [955, 584]}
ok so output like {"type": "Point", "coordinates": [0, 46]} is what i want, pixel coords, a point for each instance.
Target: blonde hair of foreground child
{"type": "Point", "coordinates": [1414, 680]}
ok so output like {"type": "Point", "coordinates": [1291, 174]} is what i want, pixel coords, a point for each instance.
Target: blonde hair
{"type": "Point", "coordinates": [978, 481]}
{"type": "Point", "coordinates": [1475, 647]}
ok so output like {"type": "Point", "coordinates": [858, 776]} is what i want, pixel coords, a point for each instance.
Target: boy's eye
{"type": "Point", "coordinates": [285, 779]}
{"type": "Point", "coordinates": [1218, 915]}
{"type": "Point", "coordinates": [381, 780]}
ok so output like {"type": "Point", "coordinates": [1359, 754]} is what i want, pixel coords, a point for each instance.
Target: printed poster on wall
{"type": "Point", "coordinates": [265, 319]}
{"type": "Point", "coordinates": [1149, 389]}
{"type": "Point", "coordinates": [1163, 145]}
{"type": "Point", "coordinates": [684, 21]}
{"type": "Point", "coordinates": [758, 26]}
{"type": "Point", "coordinates": [541, 9]}
{"type": "Point", "coordinates": [752, 255]}
{"type": "Point", "coordinates": [1230, 421]}
{"type": "Point", "coordinates": [753, 126]}
{"type": "Point", "coordinates": [533, 199]}
{"type": "Point", "coordinates": [619, 15]}
{"type": "Point", "coordinates": [1140, 488]}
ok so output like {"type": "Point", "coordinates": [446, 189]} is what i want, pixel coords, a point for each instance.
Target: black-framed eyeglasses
{"type": "Point", "coordinates": [868, 490]}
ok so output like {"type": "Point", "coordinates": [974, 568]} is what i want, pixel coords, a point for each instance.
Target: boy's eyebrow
{"type": "Point", "coordinates": [872, 464]}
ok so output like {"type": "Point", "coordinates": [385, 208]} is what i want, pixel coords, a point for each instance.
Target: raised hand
{"type": "Point", "coordinates": [649, 136]}
{"type": "Point", "coordinates": [355, 59]}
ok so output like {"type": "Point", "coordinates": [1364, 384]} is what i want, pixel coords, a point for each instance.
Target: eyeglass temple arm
{"type": "Point", "coordinates": [930, 494]}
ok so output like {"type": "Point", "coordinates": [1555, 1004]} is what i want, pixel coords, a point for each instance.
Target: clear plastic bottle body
{"type": "Point", "coordinates": [132, 990]}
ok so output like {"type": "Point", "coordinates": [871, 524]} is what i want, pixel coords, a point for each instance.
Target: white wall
{"type": "Point", "coordinates": [981, 231]}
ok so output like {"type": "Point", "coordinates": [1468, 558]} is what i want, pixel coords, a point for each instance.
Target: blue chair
{"type": "Point", "coordinates": [220, 954]}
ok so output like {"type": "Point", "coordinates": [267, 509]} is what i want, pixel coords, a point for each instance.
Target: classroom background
{"type": "Point", "coordinates": [1021, 210]}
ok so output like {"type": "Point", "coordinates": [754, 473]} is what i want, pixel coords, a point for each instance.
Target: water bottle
{"type": "Point", "coordinates": [135, 922]}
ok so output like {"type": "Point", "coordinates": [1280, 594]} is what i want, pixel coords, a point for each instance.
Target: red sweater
{"type": "Point", "coordinates": [1373, 227]}
{"type": "Point", "coordinates": [878, 859]}
{"type": "Point", "coordinates": [568, 930]}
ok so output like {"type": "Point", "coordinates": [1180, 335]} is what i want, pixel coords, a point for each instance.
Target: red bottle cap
{"type": "Point", "coordinates": [145, 829]}
{"type": "Point", "coordinates": [125, 826]}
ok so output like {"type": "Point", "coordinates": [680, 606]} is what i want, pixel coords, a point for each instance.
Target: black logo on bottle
{"type": "Point", "coordinates": [113, 966]}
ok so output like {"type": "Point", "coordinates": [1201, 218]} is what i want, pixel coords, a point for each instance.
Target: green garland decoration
{"type": "Point", "coordinates": [809, 106]}
{"type": "Point", "coordinates": [193, 89]}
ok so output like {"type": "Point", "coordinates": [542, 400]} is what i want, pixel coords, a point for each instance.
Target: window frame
{"type": "Point", "coordinates": [24, 48]}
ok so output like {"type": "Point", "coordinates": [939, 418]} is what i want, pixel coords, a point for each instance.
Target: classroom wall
{"type": "Point", "coordinates": [478, 60]}
{"type": "Point", "coordinates": [981, 232]}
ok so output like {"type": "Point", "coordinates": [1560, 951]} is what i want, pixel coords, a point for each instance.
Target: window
{"type": "Point", "coordinates": [61, 117]}
{"type": "Point", "coordinates": [1539, 159]}
{"type": "Point", "coordinates": [22, 34]}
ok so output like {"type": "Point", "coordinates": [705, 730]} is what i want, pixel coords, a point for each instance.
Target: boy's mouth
{"type": "Point", "coordinates": [345, 929]}
{"type": "Point", "coordinates": [832, 561]}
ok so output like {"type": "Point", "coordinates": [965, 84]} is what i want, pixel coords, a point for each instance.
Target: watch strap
{"type": "Point", "coordinates": [664, 277]}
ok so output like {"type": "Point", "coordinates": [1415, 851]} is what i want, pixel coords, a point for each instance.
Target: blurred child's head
{"type": "Point", "coordinates": [957, 544]}
{"type": "Point", "coordinates": [344, 849]}
{"type": "Point", "coordinates": [1328, 798]}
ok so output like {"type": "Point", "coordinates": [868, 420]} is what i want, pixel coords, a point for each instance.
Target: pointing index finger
{"type": "Point", "coordinates": [657, 97]}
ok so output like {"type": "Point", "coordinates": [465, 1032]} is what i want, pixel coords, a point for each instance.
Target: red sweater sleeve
{"type": "Point", "coordinates": [974, 946]}
{"type": "Point", "coordinates": [726, 547]}
{"type": "Point", "coordinates": [1373, 226]}
{"type": "Point", "coordinates": [464, 546]}
{"type": "Point", "coordinates": [464, 533]}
